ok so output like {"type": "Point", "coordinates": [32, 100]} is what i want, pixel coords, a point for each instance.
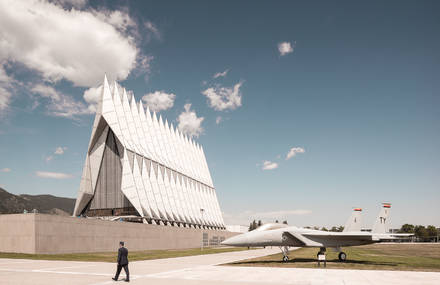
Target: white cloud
{"type": "Point", "coordinates": [4, 78]}
{"type": "Point", "coordinates": [53, 175]}
{"type": "Point", "coordinates": [189, 123]}
{"type": "Point", "coordinates": [221, 74]}
{"type": "Point", "coordinates": [224, 98]}
{"type": "Point", "coordinates": [79, 46]}
{"type": "Point", "coordinates": [286, 48]}
{"type": "Point", "coordinates": [60, 150]}
{"type": "Point", "coordinates": [218, 120]}
{"type": "Point", "coordinates": [72, 3]}
{"type": "Point", "coordinates": [159, 100]}
{"type": "Point", "coordinates": [293, 151]}
{"type": "Point", "coordinates": [5, 98]}
{"type": "Point", "coordinates": [59, 104]}
{"type": "Point", "coordinates": [92, 96]}
{"type": "Point", "coordinates": [269, 165]}
{"type": "Point", "coordinates": [5, 170]}
{"type": "Point", "coordinates": [5, 87]}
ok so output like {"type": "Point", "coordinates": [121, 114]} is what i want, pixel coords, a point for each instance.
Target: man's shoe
{"type": "Point", "coordinates": [114, 279]}
{"type": "Point", "coordinates": [127, 280]}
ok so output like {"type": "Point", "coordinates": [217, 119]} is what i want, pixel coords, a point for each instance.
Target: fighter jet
{"type": "Point", "coordinates": [286, 236]}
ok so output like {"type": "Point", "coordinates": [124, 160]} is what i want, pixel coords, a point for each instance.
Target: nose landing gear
{"type": "Point", "coordinates": [342, 256]}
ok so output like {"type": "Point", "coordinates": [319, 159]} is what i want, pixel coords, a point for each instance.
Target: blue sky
{"type": "Point", "coordinates": [357, 91]}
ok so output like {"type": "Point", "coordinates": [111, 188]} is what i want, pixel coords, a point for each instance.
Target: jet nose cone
{"type": "Point", "coordinates": [238, 240]}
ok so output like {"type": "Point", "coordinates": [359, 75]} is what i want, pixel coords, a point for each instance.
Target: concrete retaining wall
{"type": "Point", "coordinates": [39, 233]}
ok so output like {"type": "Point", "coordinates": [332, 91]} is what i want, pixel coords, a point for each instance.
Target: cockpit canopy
{"type": "Point", "coordinates": [271, 226]}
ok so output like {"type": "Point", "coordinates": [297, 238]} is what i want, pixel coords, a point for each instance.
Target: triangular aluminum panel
{"type": "Point", "coordinates": [156, 192]}
{"type": "Point", "coordinates": [128, 186]}
{"type": "Point", "coordinates": [96, 155]}
{"type": "Point", "coordinates": [149, 191]}
{"type": "Point", "coordinates": [155, 167]}
{"type": "Point", "coordinates": [142, 194]}
{"type": "Point", "coordinates": [139, 161]}
{"type": "Point", "coordinates": [162, 169]}
{"type": "Point", "coordinates": [148, 165]}
{"type": "Point", "coordinates": [102, 124]}
{"type": "Point", "coordinates": [168, 172]}
{"type": "Point", "coordinates": [130, 158]}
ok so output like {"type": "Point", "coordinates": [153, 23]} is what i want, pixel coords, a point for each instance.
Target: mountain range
{"type": "Point", "coordinates": [48, 204]}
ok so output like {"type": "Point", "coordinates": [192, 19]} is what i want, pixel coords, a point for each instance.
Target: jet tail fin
{"type": "Point", "coordinates": [354, 222]}
{"type": "Point", "coordinates": [381, 225]}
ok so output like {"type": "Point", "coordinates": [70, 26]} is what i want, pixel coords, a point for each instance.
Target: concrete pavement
{"type": "Point", "coordinates": [197, 270]}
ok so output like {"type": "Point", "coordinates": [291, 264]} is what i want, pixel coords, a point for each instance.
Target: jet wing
{"type": "Point", "coordinates": [320, 238]}
{"type": "Point", "coordinates": [339, 235]}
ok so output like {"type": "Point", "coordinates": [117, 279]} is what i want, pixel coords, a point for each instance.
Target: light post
{"type": "Point", "coordinates": [202, 211]}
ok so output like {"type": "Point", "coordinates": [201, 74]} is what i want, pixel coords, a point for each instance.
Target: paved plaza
{"type": "Point", "coordinates": [197, 270]}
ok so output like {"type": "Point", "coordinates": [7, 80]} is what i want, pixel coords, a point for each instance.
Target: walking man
{"type": "Point", "coordinates": [122, 262]}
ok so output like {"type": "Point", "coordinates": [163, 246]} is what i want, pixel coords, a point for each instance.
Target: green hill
{"type": "Point", "coordinates": [10, 203]}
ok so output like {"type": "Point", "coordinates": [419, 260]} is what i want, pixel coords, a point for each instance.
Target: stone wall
{"type": "Point", "coordinates": [17, 233]}
{"type": "Point", "coordinates": [40, 233]}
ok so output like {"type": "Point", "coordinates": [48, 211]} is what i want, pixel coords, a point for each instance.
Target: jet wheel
{"type": "Point", "coordinates": [285, 258]}
{"type": "Point", "coordinates": [342, 256]}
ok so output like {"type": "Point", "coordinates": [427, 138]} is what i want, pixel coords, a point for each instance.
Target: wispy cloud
{"type": "Point", "coordinates": [152, 28]}
{"type": "Point", "coordinates": [53, 175]}
{"type": "Point", "coordinates": [5, 169]}
{"type": "Point", "coordinates": [59, 104]}
{"type": "Point", "coordinates": [269, 165]}
{"type": "Point", "coordinates": [58, 151]}
{"type": "Point", "coordinates": [221, 74]}
{"type": "Point", "coordinates": [286, 48]}
{"type": "Point", "coordinates": [293, 151]}
{"type": "Point", "coordinates": [218, 120]}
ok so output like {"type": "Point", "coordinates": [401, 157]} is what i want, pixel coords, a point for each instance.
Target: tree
{"type": "Point", "coordinates": [316, 228]}
{"type": "Point", "coordinates": [324, 229]}
{"type": "Point", "coordinates": [407, 228]}
{"type": "Point", "coordinates": [337, 229]}
{"type": "Point", "coordinates": [252, 226]}
{"type": "Point", "coordinates": [259, 223]}
{"type": "Point", "coordinates": [276, 221]}
{"type": "Point", "coordinates": [421, 232]}
{"type": "Point", "coordinates": [285, 222]}
{"type": "Point", "coordinates": [432, 231]}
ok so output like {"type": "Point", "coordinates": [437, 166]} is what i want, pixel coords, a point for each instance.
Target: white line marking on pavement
{"type": "Point", "coordinates": [16, 262]}
{"type": "Point", "coordinates": [66, 267]}
{"type": "Point", "coordinates": [57, 272]}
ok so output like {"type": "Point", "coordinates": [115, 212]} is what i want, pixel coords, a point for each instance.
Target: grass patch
{"type": "Point", "coordinates": [111, 256]}
{"type": "Point", "coordinates": [415, 257]}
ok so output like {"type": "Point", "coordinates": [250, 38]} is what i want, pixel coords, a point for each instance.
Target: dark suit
{"type": "Point", "coordinates": [122, 262]}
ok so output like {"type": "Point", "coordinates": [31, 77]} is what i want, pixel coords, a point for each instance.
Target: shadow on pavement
{"type": "Point", "coordinates": [314, 262]}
